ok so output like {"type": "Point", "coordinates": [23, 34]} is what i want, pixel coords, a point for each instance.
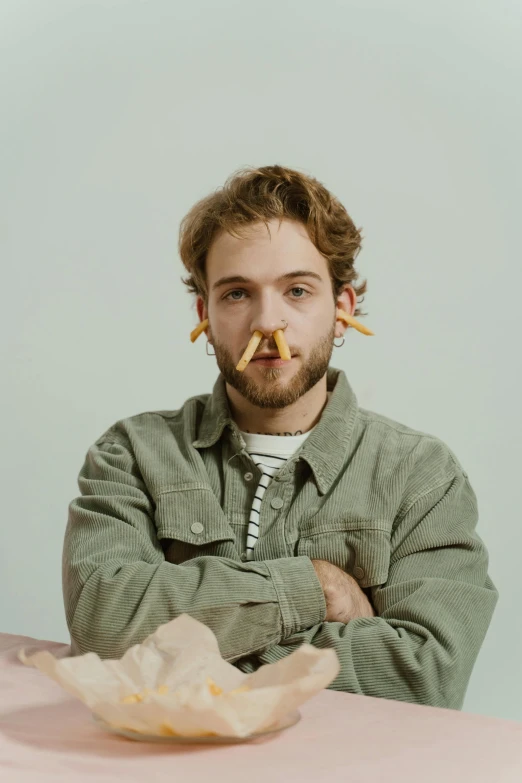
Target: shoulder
{"type": "Point", "coordinates": [412, 450]}
{"type": "Point", "coordinates": [149, 425]}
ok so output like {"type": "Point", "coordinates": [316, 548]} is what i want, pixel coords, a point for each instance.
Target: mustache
{"type": "Point", "coordinates": [271, 345]}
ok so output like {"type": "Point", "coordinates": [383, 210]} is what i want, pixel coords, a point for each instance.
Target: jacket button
{"type": "Point", "coordinates": [277, 503]}
{"type": "Point", "coordinates": [197, 527]}
{"type": "Point", "coordinates": [244, 557]}
{"type": "Point", "coordinates": [358, 572]}
{"type": "Point", "coordinates": [248, 476]}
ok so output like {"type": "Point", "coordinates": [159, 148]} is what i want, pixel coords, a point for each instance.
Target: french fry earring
{"type": "Point", "coordinates": [342, 315]}
{"type": "Point", "coordinates": [197, 331]}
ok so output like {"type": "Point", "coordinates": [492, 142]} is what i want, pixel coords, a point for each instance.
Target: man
{"type": "Point", "coordinates": [275, 510]}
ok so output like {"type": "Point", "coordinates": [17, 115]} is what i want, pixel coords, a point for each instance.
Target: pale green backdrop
{"type": "Point", "coordinates": [117, 116]}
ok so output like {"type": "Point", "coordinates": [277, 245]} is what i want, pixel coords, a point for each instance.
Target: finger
{"type": "Point", "coordinates": [342, 315]}
{"type": "Point", "coordinates": [282, 345]}
{"type": "Point", "coordinates": [250, 350]}
{"type": "Point", "coordinates": [199, 328]}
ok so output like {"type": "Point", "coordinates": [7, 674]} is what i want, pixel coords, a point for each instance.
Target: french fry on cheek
{"type": "Point", "coordinates": [250, 350]}
{"type": "Point", "coordinates": [282, 345]}
{"type": "Point", "coordinates": [197, 331]}
{"type": "Point", "coordinates": [342, 315]}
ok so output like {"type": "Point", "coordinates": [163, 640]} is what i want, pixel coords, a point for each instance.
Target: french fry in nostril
{"type": "Point", "coordinates": [197, 331]}
{"type": "Point", "coordinates": [282, 345]}
{"type": "Point", "coordinates": [250, 350]}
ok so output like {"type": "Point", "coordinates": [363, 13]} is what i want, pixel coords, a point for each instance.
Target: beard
{"type": "Point", "coordinates": [271, 391]}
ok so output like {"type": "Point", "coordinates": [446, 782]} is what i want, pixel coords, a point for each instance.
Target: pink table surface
{"type": "Point", "coordinates": [46, 735]}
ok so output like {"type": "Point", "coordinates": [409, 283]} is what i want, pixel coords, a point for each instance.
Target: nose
{"type": "Point", "coordinates": [268, 324]}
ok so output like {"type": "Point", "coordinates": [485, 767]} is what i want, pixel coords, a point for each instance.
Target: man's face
{"type": "Point", "coordinates": [238, 307]}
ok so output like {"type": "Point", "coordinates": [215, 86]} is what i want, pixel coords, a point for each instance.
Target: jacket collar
{"type": "Point", "coordinates": [324, 450]}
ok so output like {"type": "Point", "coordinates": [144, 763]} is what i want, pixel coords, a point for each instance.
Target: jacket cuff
{"type": "Point", "coordinates": [299, 592]}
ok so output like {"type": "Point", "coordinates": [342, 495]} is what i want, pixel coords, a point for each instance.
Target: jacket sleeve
{"type": "Point", "coordinates": [118, 587]}
{"type": "Point", "coordinates": [432, 613]}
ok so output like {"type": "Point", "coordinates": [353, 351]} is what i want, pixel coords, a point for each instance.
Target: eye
{"type": "Point", "coordinates": [231, 294]}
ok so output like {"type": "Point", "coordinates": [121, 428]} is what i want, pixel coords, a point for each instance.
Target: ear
{"type": "Point", "coordinates": [202, 312]}
{"type": "Point", "coordinates": [347, 301]}
{"type": "Point", "coordinates": [201, 309]}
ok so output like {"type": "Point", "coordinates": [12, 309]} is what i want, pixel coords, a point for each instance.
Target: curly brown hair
{"type": "Point", "coordinates": [250, 195]}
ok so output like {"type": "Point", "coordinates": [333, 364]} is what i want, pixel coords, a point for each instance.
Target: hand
{"type": "Point", "coordinates": [344, 598]}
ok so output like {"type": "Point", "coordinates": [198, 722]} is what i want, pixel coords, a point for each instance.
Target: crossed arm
{"type": "Point", "coordinates": [416, 641]}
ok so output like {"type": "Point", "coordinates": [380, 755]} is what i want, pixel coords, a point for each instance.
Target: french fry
{"type": "Point", "coordinates": [243, 689]}
{"type": "Point", "coordinates": [132, 699]}
{"type": "Point", "coordinates": [166, 730]}
{"type": "Point", "coordinates": [163, 690]}
{"type": "Point", "coordinates": [214, 689]}
{"type": "Point", "coordinates": [136, 697]}
{"type": "Point", "coordinates": [197, 331]}
{"type": "Point", "coordinates": [282, 345]}
{"type": "Point", "coordinates": [342, 315]}
{"type": "Point", "coordinates": [250, 350]}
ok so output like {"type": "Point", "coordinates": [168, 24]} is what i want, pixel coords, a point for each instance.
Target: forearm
{"type": "Point", "coordinates": [118, 587]}
{"type": "Point", "coordinates": [432, 614]}
{"type": "Point", "coordinates": [248, 606]}
{"type": "Point", "coordinates": [421, 649]}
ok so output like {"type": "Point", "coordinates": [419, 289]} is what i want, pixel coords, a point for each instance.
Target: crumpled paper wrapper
{"type": "Point", "coordinates": [177, 684]}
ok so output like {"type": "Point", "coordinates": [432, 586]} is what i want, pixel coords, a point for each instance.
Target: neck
{"type": "Point", "coordinates": [294, 419]}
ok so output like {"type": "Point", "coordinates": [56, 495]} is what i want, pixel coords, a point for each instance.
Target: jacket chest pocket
{"type": "Point", "coordinates": [363, 552]}
{"type": "Point", "coordinates": [190, 523]}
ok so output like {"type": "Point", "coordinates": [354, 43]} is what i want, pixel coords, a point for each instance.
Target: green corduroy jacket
{"type": "Point", "coordinates": [160, 528]}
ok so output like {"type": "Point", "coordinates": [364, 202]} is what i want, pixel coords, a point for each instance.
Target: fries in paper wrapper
{"type": "Point", "coordinates": [177, 684]}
